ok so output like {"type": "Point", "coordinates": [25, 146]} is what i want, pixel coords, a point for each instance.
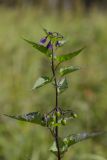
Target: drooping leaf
{"type": "Point", "coordinates": [65, 143]}
{"type": "Point", "coordinates": [33, 117]}
{"type": "Point", "coordinates": [62, 85]}
{"type": "Point", "coordinates": [68, 56]}
{"type": "Point", "coordinates": [39, 47]}
{"type": "Point", "coordinates": [41, 82]}
{"type": "Point", "coordinates": [65, 70]}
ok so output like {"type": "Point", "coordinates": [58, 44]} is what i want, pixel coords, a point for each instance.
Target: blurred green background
{"type": "Point", "coordinates": [83, 23]}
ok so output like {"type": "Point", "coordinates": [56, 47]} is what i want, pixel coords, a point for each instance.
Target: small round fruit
{"type": "Point", "coordinates": [75, 115]}
{"type": "Point", "coordinates": [48, 116]}
{"type": "Point", "coordinates": [63, 121]}
{"type": "Point", "coordinates": [58, 114]}
{"type": "Point", "coordinates": [53, 118]}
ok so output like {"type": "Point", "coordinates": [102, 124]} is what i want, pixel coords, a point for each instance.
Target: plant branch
{"type": "Point", "coordinates": [56, 105]}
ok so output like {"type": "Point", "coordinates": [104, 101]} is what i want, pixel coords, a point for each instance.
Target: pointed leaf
{"type": "Point", "coordinates": [75, 138]}
{"type": "Point", "coordinates": [41, 82]}
{"type": "Point", "coordinates": [65, 70]}
{"type": "Point", "coordinates": [62, 85]}
{"type": "Point", "coordinates": [68, 56]}
{"type": "Point", "coordinates": [33, 117]}
{"type": "Point", "coordinates": [65, 143]}
{"type": "Point", "coordinates": [39, 47]}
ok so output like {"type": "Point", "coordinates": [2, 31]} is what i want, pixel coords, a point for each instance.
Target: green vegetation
{"type": "Point", "coordinates": [20, 66]}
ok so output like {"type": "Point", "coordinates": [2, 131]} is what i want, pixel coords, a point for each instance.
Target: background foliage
{"type": "Point", "coordinates": [20, 66]}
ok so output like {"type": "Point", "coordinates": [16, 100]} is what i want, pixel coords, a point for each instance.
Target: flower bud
{"type": "Point", "coordinates": [49, 45]}
{"type": "Point", "coordinates": [50, 33]}
{"type": "Point", "coordinates": [43, 40]}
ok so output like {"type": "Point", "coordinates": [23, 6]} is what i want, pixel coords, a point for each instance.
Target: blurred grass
{"type": "Point", "coordinates": [20, 65]}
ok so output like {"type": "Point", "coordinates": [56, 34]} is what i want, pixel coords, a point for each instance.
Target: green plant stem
{"type": "Point", "coordinates": [56, 107]}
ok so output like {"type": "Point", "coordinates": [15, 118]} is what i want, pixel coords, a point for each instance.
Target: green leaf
{"type": "Point", "coordinates": [41, 82]}
{"type": "Point", "coordinates": [62, 85]}
{"type": "Point", "coordinates": [65, 143]}
{"type": "Point", "coordinates": [33, 117]}
{"type": "Point", "coordinates": [65, 70]}
{"type": "Point", "coordinates": [39, 47]}
{"type": "Point", "coordinates": [68, 56]}
{"type": "Point", "coordinates": [75, 138]}
{"type": "Point", "coordinates": [62, 147]}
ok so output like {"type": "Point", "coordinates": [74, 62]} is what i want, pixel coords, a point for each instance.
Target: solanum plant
{"type": "Point", "coordinates": [57, 117]}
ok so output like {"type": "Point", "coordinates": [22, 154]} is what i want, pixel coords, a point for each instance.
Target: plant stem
{"type": "Point", "coordinates": [56, 106]}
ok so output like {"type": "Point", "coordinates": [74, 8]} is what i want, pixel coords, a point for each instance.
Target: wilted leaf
{"type": "Point", "coordinates": [33, 117]}
{"type": "Point", "coordinates": [65, 143]}
{"type": "Point", "coordinates": [39, 47]}
{"type": "Point", "coordinates": [66, 70]}
{"type": "Point", "coordinates": [68, 56]}
{"type": "Point", "coordinates": [62, 85]}
{"type": "Point", "coordinates": [41, 82]}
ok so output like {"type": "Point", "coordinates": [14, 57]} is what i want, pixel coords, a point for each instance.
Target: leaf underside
{"type": "Point", "coordinates": [62, 85]}
{"type": "Point", "coordinates": [41, 82]}
{"type": "Point", "coordinates": [67, 142]}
